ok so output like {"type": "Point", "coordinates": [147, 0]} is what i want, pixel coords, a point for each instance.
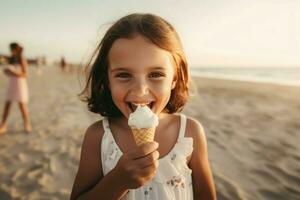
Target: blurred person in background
{"type": "Point", "coordinates": [17, 89]}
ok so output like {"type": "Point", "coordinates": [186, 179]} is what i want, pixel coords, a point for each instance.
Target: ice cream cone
{"type": "Point", "coordinates": [143, 135]}
{"type": "Point", "coordinates": [143, 123]}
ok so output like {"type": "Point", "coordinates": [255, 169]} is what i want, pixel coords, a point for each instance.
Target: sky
{"type": "Point", "coordinates": [233, 33]}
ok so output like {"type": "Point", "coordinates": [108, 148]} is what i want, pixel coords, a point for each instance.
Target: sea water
{"type": "Point", "coordinates": [282, 75]}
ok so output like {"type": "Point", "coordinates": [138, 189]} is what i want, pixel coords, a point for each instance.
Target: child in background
{"type": "Point", "coordinates": [17, 87]}
{"type": "Point", "coordinates": [140, 61]}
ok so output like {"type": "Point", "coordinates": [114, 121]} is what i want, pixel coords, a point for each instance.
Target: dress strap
{"type": "Point", "coordinates": [182, 126]}
{"type": "Point", "coordinates": [105, 124]}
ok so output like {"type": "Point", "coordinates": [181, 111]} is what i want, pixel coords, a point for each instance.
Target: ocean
{"type": "Point", "coordinates": [282, 76]}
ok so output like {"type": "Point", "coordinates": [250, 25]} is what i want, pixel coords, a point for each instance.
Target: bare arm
{"type": "Point", "coordinates": [17, 73]}
{"type": "Point", "coordinates": [203, 184]}
{"type": "Point", "coordinates": [89, 182]}
{"type": "Point", "coordinates": [134, 169]}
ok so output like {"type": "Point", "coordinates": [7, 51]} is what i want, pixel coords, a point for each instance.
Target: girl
{"type": "Point", "coordinates": [17, 88]}
{"type": "Point", "coordinates": [140, 61]}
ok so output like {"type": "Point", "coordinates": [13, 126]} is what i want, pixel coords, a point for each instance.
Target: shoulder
{"type": "Point", "coordinates": [195, 130]}
{"type": "Point", "coordinates": [95, 129]}
{"type": "Point", "coordinates": [93, 133]}
{"type": "Point", "coordinates": [92, 138]}
{"type": "Point", "coordinates": [90, 169]}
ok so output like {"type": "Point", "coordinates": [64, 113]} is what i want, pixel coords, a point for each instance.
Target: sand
{"type": "Point", "coordinates": [252, 132]}
{"type": "Point", "coordinates": [42, 165]}
{"type": "Point", "coordinates": [253, 137]}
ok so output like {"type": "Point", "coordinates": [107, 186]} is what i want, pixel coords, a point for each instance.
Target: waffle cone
{"type": "Point", "coordinates": [143, 135]}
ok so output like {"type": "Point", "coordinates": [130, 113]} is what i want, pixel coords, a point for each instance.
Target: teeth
{"type": "Point", "coordinates": [133, 106]}
{"type": "Point", "coordinates": [141, 104]}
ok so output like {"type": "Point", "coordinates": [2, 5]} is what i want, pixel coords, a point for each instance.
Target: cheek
{"type": "Point", "coordinates": [163, 91]}
{"type": "Point", "coordinates": [117, 92]}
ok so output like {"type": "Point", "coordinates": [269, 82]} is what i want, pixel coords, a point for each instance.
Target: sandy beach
{"type": "Point", "coordinates": [252, 131]}
{"type": "Point", "coordinates": [253, 137]}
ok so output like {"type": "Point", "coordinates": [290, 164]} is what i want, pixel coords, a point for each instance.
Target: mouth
{"type": "Point", "coordinates": [133, 106]}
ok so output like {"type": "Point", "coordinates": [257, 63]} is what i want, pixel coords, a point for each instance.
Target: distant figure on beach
{"type": "Point", "coordinates": [143, 147]}
{"type": "Point", "coordinates": [63, 64]}
{"type": "Point", "coordinates": [17, 87]}
{"type": "Point", "coordinates": [39, 65]}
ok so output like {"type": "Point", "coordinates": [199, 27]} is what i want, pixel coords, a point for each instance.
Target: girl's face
{"type": "Point", "coordinates": [140, 73]}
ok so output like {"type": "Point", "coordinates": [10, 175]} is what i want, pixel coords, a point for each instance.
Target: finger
{"type": "Point", "coordinates": [148, 160]}
{"type": "Point", "coordinates": [143, 150]}
{"type": "Point", "coordinates": [149, 170]}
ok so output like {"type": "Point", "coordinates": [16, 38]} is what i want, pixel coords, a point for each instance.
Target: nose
{"type": "Point", "coordinates": [140, 88]}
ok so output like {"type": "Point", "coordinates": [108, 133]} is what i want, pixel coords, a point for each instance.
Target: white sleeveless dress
{"type": "Point", "coordinates": [17, 89]}
{"type": "Point", "coordinates": [173, 180]}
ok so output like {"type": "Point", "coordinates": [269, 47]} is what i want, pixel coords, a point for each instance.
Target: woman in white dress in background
{"type": "Point", "coordinates": [17, 87]}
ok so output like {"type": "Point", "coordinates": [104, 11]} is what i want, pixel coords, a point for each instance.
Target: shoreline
{"type": "Point", "coordinates": [282, 92]}
{"type": "Point", "coordinates": [247, 79]}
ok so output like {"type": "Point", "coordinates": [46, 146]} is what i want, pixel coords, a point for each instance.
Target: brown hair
{"type": "Point", "coordinates": [19, 49]}
{"type": "Point", "coordinates": [96, 92]}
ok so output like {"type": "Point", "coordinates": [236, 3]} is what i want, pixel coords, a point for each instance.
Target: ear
{"type": "Point", "coordinates": [173, 84]}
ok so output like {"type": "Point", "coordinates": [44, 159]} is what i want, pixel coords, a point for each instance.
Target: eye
{"type": "Point", "coordinates": [123, 75]}
{"type": "Point", "coordinates": [156, 75]}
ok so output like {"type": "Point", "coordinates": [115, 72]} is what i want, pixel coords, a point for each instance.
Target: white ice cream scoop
{"type": "Point", "coordinates": [143, 117]}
